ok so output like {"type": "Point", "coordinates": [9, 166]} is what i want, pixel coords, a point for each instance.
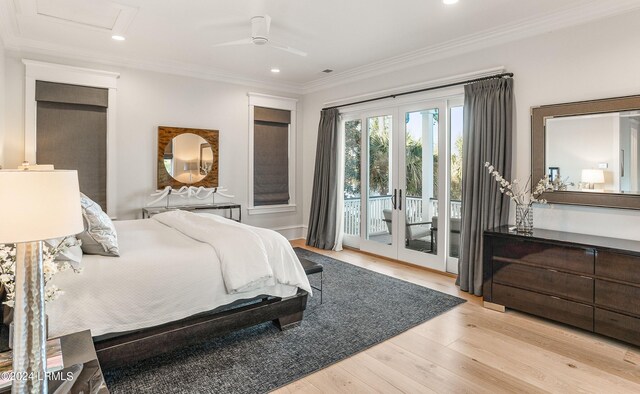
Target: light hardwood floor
{"type": "Point", "coordinates": [471, 349]}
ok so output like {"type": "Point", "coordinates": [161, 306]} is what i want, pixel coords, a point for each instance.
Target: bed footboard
{"type": "Point", "coordinates": [133, 347]}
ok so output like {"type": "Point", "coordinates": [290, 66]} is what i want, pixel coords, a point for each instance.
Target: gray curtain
{"type": "Point", "coordinates": [322, 218]}
{"type": "Point", "coordinates": [488, 127]}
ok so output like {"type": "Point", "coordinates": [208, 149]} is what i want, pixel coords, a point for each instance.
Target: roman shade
{"type": "Point", "coordinates": [71, 94]}
{"type": "Point", "coordinates": [271, 156]}
{"type": "Point", "coordinates": [71, 133]}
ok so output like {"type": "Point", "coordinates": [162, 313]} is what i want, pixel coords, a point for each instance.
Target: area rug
{"type": "Point", "coordinates": [360, 309]}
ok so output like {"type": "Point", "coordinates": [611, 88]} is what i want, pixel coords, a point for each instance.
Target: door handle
{"type": "Point", "coordinates": [400, 201]}
{"type": "Point", "coordinates": [394, 198]}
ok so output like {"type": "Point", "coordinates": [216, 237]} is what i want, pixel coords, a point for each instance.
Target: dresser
{"type": "Point", "coordinates": [585, 281]}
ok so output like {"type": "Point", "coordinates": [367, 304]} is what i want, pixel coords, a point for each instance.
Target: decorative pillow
{"type": "Point", "coordinates": [72, 254]}
{"type": "Point", "coordinates": [99, 236]}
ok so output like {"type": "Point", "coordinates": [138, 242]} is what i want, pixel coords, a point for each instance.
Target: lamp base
{"type": "Point", "coordinates": [30, 338]}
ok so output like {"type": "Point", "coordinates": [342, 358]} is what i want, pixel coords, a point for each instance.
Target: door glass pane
{"type": "Point", "coordinates": [352, 154]}
{"type": "Point", "coordinates": [456, 180]}
{"type": "Point", "coordinates": [421, 210]}
{"type": "Point", "coordinates": [379, 191]}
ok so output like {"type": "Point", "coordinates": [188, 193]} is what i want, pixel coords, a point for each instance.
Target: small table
{"type": "Point", "coordinates": [150, 211]}
{"type": "Point", "coordinates": [79, 356]}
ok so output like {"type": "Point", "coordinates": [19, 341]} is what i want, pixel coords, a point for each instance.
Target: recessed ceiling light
{"type": "Point", "coordinates": [275, 70]}
{"type": "Point", "coordinates": [118, 38]}
{"type": "Point", "coordinates": [448, 2]}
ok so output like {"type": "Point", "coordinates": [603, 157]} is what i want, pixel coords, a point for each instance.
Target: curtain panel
{"type": "Point", "coordinates": [487, 133]}
{"type": "Point", "coordinates": [322, 216]}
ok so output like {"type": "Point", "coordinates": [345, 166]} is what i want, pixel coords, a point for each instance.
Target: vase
{"type": "Point", "coordinates": [524, 218]}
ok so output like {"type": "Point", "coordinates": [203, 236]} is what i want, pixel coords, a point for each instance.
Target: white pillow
{"type": "Point", "coordinates": [99, 235]}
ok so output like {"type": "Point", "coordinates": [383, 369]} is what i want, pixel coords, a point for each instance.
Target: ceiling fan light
{"type": "Point", "coordinates": [449, 2]}
{"type": "Point", "coordinates": [275, 70]}
{"type": "Point", "coordinates": [260, 40]}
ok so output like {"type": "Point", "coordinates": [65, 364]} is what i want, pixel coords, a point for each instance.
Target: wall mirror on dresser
{"type": "Point", "coordinates": [590, 150]}
{"type": "Point", "coordinates": [187, 157]}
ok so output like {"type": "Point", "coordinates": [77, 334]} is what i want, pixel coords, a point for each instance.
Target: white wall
{"type": "Point", "coordinates": [2, 104]}
{"type": "Point", "coordinates": [580, 63]}
{"type": "Point", "coordinates": [146, 100]}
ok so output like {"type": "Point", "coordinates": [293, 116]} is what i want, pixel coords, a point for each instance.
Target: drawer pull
{"type": "Point", "coordinates": [586, 277]}
{"type": "Point", "coordinates": [555, 298]}
{"type": "Point", "coordinates": [550, 270]}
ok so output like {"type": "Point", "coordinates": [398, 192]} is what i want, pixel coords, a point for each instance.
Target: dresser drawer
{"type": "Point", "coordinates": [549, 255]}
{"type": "Point", "coordinates": [554, 308]}
{"type": "Point", "coordinates": [617, 296]}
{"type": "Point", "coordinates": [575, 287]}
{"type": "Point", "coordinates": [616, 325]}
{"type": "Point", "coordinates": [618, 266]}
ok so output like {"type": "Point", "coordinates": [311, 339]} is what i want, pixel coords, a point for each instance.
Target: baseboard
{"type": "Point", "coordinates": [292, 232]}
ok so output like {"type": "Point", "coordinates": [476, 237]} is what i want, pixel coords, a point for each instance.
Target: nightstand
{"type": "Point", "coordinates": [79, 358]}
{"type": "Point", "coordinates": [226, 206]}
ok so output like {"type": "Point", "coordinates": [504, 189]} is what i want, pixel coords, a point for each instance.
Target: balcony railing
{"type": "Point", "coordinates": [414, 210]}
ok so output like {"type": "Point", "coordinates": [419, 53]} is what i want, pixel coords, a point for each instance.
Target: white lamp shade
{"type": "Point", "coordinates": [39, 205]}
{"type": "Point", "coordinates": [593, 176]}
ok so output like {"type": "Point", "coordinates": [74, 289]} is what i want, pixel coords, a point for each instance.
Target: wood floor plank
{"type": "Point", "coordinates": [423, 371]}
{"type": "Point", "coordinates": [488, 377]}
{"type": "Point", "coordinates": [472, 349]}
{"type": "Point", "coordinates": [376, 374]}
{"type": "Point", "coordinates": [589, 349]}
{"type": "Point", "coordinates": [301, 386]}
{"type": "Point", "coordinates": [336, 380]}
{"type": "Point", "coordinates": [541, 366]}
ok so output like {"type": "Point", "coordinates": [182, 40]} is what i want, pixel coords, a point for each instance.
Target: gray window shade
{"type": "Point", "coordinates": [271, 115]}
{"type": "Point", "coordinates": [71, 94]}
{"type": "Point", "coordinates": [271, 157]}
{"type": "Point", "coordinates": [74, 136]}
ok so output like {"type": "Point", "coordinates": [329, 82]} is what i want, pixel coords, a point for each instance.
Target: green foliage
{"type": "Point", "coordinates": [352, 154]}
{"type": "Point", "coordinates": [379, 132]}
{"type": "Point", "coordinates": [456, 169]}
{"type": "Point", "coordinates": [379, 155]}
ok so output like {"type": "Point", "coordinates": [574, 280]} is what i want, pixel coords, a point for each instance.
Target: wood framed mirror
{"type": "Point", "coordinates": [590, 150]}
{"type": "Point", "coordinates": [187, 157]}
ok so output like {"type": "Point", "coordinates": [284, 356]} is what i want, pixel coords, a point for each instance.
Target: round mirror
{"type": "Point", "coordinates": [188, 158]}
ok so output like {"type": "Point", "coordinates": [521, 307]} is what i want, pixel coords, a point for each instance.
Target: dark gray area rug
{"type": "Point", "coordinates": [360, 309]}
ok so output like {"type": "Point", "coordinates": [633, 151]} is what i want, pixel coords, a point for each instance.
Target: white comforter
{"type": "Point", "coordinates": [161, 275]}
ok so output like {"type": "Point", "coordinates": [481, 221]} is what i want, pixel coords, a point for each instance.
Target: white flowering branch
{"type": "Point", "coordinates": [520, 196]}
{"type": "Point", "coordinates": [49, 264]}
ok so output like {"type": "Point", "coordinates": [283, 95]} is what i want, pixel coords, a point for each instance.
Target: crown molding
{"type": "Point", "coordinates": [25, 48]}
{"type": "Point", "coordinates": [29, 48]}
{"type": "Point", "coordinates": [567, 17]}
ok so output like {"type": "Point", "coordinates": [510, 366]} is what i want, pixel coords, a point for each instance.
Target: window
{"type": "Point", "coordinates": [271, 154]}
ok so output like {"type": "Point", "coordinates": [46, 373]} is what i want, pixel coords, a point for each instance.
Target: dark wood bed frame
{"type": "Point", "coordinates": [139, 345]}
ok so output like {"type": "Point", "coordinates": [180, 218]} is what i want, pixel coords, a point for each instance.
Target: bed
{"type": "Point", "coordinates": [180, 278]}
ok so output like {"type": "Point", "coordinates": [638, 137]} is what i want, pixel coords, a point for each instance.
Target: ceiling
{"type": "Point", "coordinates": [351, 37]}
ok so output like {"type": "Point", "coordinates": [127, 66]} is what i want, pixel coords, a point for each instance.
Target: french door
{"type": "Point", "coordinates": [398, 183]}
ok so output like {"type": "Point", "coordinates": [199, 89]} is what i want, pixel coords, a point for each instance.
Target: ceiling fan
{"type": "Point", "coordinates": [260, 26]}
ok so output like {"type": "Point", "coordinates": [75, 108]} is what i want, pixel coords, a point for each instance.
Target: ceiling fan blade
{"type": "Point", "coordinates": [244, 41]}
{"type": "Point", "coordinates": [287, 48]}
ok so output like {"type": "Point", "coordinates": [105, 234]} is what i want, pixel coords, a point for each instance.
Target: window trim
{"type": "Point", "coordinates": [51, 72]}
{"type": "Point", "coordinates": [275, 102]}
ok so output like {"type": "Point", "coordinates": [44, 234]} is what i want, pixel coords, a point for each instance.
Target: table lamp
{"type": "Point", "coordinates": [35, 205]}
{"type": "Point", "coordinates": [592, 176]}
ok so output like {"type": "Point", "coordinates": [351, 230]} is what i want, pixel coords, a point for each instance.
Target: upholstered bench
{"type": "Point", "coordinates": [311, 268]}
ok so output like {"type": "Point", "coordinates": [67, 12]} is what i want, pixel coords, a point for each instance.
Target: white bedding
{"type": "Point", "coordinates": [161, 275]}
